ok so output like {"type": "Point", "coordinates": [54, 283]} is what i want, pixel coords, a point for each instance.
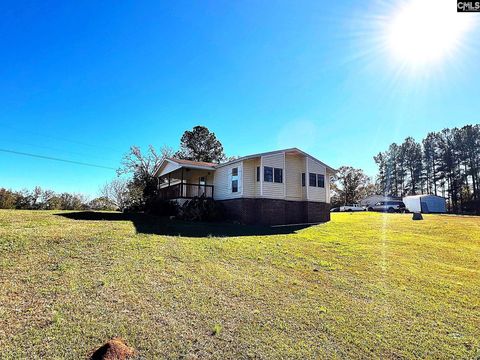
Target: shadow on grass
{"type": "Point", "coordinates": [149, 224]}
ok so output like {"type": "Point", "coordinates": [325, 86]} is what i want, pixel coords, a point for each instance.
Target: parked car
{"type": "Point", "coordinates": [388, 206]}
{"type": "Point", "coordinates": [335, 209]}
{"type": "Point", "coordinates": [351, 208]}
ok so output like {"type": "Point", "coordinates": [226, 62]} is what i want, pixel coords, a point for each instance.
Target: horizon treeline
{"type": "Point", "coordinates": [39, 199]}
{"type": "Point", "coordinates": [444, 163]}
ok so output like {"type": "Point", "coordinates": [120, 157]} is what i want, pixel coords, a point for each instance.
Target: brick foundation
{"type": "Point", "coordinates": [275, 212]}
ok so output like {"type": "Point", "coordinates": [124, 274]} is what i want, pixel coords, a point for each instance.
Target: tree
{"type": "Point", "coordinates": [382, 181]}
{"type": "Point", "coordinates": [446, 163]}
{"type": "Point", "coordinates": [72, 201]}
{"type": "Point", "coordinates": [430, 162]}
{"type": "Point", "coordinates": [468, 140]}
{"type": "Point", "coordinates": [142, 166]}
{"type": "Point", "coordinates": [38, 199]}
{"type": "Point", "coordinates": [117, 192]}
{"type": "Point", "coordinates": [412, 152]}
{"type": "Point", "coordinates": [350, 185]}
{"type": "Point", "coordinates": [54, 202]}
{"type": "Point", "coordinates": [8, 199]}
{"type": "Point", "coordinates": [200, 145]}
{"type": "Point", "coordinates": [101, 203]}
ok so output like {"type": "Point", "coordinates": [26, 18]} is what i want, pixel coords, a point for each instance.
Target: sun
{"type": "Point", "coordinates": [422, 32]}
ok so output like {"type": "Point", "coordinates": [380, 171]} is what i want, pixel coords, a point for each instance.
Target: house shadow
{"type": "Point", "coordinates": [150, 224]}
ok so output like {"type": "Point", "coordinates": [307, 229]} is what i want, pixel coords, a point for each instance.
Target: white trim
{"type": "Point", "coordinates": [307, 176]}
{"type": "Point", "coordinates": [239, 180]}
{"type": "Point", "coordinates": [284, 180]}
{"type": "Point", "coordinates": [242, 177]}
{"type": "Point", "coordinates": [261, 175]}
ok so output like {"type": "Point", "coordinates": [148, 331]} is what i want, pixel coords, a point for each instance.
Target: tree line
{"type": "Point", "coordinates": [40, 199]}
{"type": "Point", "coordinates": [444, 163]}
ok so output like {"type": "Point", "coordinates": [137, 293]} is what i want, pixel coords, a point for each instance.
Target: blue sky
{"type": "Point", "coordinates": [85, 80]}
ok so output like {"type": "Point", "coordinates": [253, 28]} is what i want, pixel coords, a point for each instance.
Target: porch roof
{"type": "Point", "coordinates": [170, 165]}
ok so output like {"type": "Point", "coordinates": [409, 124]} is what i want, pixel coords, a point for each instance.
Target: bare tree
{"type": "Point", "coordinates": [117, 192]}
{"type": "Point", "coordinates": [143, 165]}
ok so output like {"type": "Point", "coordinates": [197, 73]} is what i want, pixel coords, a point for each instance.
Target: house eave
{"type": "Point", "coordinates": [179, 166]}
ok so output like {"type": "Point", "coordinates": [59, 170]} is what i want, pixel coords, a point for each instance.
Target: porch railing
{"type": "Point", "coordinates": [185, 190]}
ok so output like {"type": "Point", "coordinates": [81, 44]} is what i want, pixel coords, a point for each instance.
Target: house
{"type": "Point", "coordinates": [369, 201]}
{"type": "Point", "coordinates": [425, 204]}
{"type": "Point", "coordinates": [278, 187]}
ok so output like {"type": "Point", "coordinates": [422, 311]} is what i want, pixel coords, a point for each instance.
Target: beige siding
{"type": "Point", "coordinates": [257, 183]}
{"type": "Point", "coordinates": [249, 178]}
{"type": "Point", "coordinates": [222, 182]}
{"type": "Point", "coordinates": [192, 176]}
{"type": "Point", "coordinates": [316, 193]}
{"type": "Point", "coordinates": [295, 166]}
{"type": "Point", "coordinates": [271, 189]}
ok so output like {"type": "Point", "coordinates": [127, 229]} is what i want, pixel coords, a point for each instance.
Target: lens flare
{"type": "Point", "coordinates": [423, 32]}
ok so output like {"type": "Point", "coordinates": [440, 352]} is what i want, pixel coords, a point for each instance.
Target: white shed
{"type": "Point", "coordinates": [425, 204]}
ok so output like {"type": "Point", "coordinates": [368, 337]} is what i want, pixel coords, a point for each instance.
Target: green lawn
{"type": "Point", "coordinates": [365, 285]}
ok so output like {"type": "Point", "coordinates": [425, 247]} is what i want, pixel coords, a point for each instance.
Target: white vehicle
{"type": "Point", "coordinates": [351, 208]}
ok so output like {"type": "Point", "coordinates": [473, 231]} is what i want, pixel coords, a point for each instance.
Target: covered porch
{"type": "Point", "coordinates": [184, 179]}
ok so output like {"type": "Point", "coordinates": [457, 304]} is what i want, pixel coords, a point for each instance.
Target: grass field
{"type": "Point", "coordinates": [364, 285]}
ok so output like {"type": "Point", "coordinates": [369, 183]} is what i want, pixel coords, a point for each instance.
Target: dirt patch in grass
{"type": "Point", "coordinates": [114, 349]}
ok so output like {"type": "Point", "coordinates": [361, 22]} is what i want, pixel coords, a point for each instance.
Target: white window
{"type": "Point", "coordinates": [234, 180]}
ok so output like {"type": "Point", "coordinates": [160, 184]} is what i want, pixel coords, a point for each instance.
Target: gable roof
{"type": "Point", "coordinates": [175, 164]}
{"type": "Point", "coordinates": [289, 150]}
{"type": "Point", "coordinates": [179, 163]}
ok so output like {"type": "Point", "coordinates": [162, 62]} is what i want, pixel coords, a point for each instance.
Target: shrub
{"type": "Point", "coordinates": [200, 209]}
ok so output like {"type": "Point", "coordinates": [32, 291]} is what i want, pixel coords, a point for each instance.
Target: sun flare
{"type": "Point", "coordinates": [422, 32]}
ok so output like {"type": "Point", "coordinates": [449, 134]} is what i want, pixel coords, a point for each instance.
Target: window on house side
{"type": "Point", "coordinates": [303, 179]}
{"type": "Point", "coordinates": [278, 175]}
{"type": "Point", "coordinates": [267, 174]}
{"type": "Point", "coordinates": [234, 180]}
{"type": "Point", "coordinates": [312, 179]}
{"type": "Point", "coordinates": [258, 173]}
{"type": "Point", "coordinates": [321, 180]}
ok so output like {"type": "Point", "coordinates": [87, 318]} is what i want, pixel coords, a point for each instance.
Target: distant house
{"type": "Point", "coordinates": [373, 199]}
{"type": "Point", "coordinates": [279, 187]}
{"type": "Point", "coordinates": [425, 204]}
